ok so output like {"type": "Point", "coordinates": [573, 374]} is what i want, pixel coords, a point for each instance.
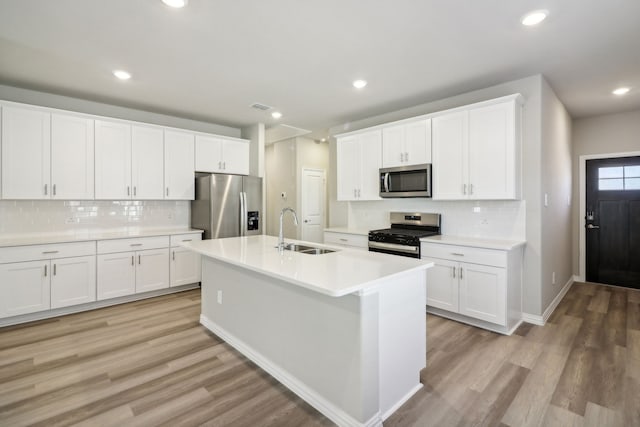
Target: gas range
{"type": "Point", "coordinates": [403, 238]}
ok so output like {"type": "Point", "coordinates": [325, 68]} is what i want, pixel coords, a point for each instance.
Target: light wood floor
{"type": "Point", "coordinates": [150, 363]}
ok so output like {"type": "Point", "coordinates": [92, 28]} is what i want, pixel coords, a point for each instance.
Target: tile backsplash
{"type": "Point", "coordinates": [52, 216]}
{"type": "Point", "coordinates": [483, 219]}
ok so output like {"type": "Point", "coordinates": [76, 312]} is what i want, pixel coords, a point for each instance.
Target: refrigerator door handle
{"type": "Point", "coordinates": [243, 213]}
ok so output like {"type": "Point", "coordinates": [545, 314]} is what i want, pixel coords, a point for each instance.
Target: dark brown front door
{"type": "Point", "coordinates": [613, 221]}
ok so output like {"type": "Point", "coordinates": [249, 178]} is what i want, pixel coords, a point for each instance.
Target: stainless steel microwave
{"type": "Point", "coordinates": [406, 181]}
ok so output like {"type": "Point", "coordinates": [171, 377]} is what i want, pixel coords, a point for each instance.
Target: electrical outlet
{"type": "Point", "coordinates": [71, 220]}
{"type": "Point", "coordinates": [476, 209]}
{"type": "Point", "coordinates": [546, 199]}
{"type": "Point", "coordinates": [219, 297]}
{"type": "Point", "coordinates": [553, 278]}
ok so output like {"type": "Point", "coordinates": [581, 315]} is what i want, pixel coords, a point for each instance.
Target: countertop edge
{"type": "Point", "coordinates": [475, 242]}
{"type": "Point", "coordinates": [70, 238]}
{"type": "Point", "coordinates": [361, 287]}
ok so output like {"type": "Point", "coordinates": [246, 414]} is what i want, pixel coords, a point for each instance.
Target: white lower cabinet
{"type": "Point", "coordinates": [73, 281]}
{"type": "Point", "coordinates": [38, 278]}
{"type": "Point", "coordinates": [347, 240]}
{"type": "Point", "coordinates": [185, 265]}
{"type": "Point", "coordinates": [24, 288]}
{"type": "Point", "coordinates": [124, 271]}
{"type": "Point", "coordinates": [152, 270]}
{"type": "Point", "coordinates": [475, 285]}
{"type": "Point", "coordinates": [116, 275]}
{"type": "Point", "coordinates": [41, 277]}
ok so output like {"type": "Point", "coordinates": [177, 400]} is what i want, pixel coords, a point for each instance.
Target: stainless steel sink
{"type": "Point", "coordinates": [304, 249]}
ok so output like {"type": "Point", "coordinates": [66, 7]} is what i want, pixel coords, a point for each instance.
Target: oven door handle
{"type": "Point", "coordinates": [395, 247]}
{"type": "Point", "coordinates": [386, 182]}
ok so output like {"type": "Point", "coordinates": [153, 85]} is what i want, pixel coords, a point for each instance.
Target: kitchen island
{"type": "Point", "coordinates": [344, 330]}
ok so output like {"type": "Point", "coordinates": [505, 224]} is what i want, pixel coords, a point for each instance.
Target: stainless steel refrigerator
{"type": "Point", "coordinates": [227, 205]}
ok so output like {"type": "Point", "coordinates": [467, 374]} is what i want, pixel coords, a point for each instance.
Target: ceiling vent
{"type": "Point", "coordinates": [261, 107]}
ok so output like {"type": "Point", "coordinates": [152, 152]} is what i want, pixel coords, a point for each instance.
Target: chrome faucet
{"type": "Point", "coordinates": [280, 234]}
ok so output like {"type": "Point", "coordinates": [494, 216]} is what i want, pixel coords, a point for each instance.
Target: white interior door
{"type": "Point", "coordinates": [313, 197]}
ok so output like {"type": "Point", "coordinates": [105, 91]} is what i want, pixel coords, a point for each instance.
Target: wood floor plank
{"type": "Point", "coordinates": [151, 363]}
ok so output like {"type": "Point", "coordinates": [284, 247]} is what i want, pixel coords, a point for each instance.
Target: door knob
{"type": "Point", "coordinates": [591, 226]}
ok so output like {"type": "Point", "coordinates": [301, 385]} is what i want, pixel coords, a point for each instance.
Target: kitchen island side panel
{"type": "Point", "coordinates": [329, 344]}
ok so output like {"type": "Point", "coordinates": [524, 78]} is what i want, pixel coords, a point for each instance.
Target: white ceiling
{"type": "Point", "coordinates": [213, 59]}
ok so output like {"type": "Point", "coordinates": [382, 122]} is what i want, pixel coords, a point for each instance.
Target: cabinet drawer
{"type": "Point", "coordinates": [135, 244]}
{"type": "Point", "coordinates": [176, 239]}
{"type": "Point", "coordinates": [492, 257]}
{"type": "Point", "coordinates": [51, 251]}
{"type": "Point", "coordinates": [345, 239]}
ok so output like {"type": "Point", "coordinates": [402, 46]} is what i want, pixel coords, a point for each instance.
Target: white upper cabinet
{"type": "Point", "coordinates": [450, 159]}
{"type": "Point", "coordinates": [179, 177]}
{"type": "Point", "coordinates": [476, 151]}
{"type": "Point", "coordinates": [72, 157]}
{"type": "Point", "coordinates": [358, 166]}
{"type": "Point", "coordinates": [147, 163]}
{"type": "Point", "coordinates": [26, 153]}
{"type": "Point", "coordinates": [493, 152]}
{"type": "Point", "coordinates": [113, 160]}
{"type": "Point", "coordinates": [406, 144]}
{"type": "Point", "coordinates": [217, 154]}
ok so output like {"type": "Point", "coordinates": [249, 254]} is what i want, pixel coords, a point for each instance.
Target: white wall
{"type": "Point", "coordinates": [531, 90]}
{"type": "Point", "coordinates": [557, 185]}
{"type": "Point", "coordinates": [280, 176]}
{"type": "Point", "coordinates": [605, 134]}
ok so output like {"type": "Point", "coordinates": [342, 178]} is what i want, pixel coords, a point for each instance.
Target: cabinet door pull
{"type": "Point", "coordinates": [128, 190]}
{"type": "Point", "coordinates": [46, 189]}
{"type": "Point", "coordinates": [456, 254]}
{"type": "Point", "coordinates": [454, 272]}
{"type": "Point", "coordinates": [135, 190]}
{"type": "Point", "coordinates": [45, 270]}
{"type": "Point", "coordinates": [138, 259]}
{"type": "Point", "coordinates": [464, 188]}
{"type": "Point", "coordinates": [224, 165]}
{"type": "Point", "coordinates": [131, 259]}
{"type": "Point", "coordinates": [358, 193]}
{"type": "Point", "coordinates": [220, 165]}
{"type": "Point", "coordinates": [406, 156]}
{"type": "Point", "coordinates": [344, 240]}
{"type": "Point", "coordinates": [167, 191]}
{"type": "Point", "coordinates": [470, 188]}
{"type": "Point", "coordinates": [401, 157]}
{"type": "Point", "coordinates": [49, 252]}
{"type": "Point", "coordinates": [54, 269]}
{"type": "Point", "coordinates": [54, 189]}
{"type": "Point", "coordinates": [174, 255]}
{"type": "Point", "coordinates": [186, 240]}
{"type": "Point", "coordinates": [355, 193]}
{"type": "Point", "coordinates": [136, 244]}
{"type": "Point", "coordinates": [461, 272]}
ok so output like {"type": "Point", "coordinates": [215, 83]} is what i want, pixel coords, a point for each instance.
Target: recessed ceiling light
{"type": "Point", "coordinates": [122, 75]}
{"type": "Point", "coordinates": [534, 18]}
{"type": "Point", "coordinates": [276, 114]}
{"type": "Point", "coordinates": [359, 84]}
{"type": "Point", "coordinates": [175, 3]}
{"type": "Point", "coordinates": [621, 91]}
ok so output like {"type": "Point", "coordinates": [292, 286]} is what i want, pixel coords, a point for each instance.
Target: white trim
{"type": "Point", "coordinates": [533, 319]}
{"type": "Point", "coordinates": [583, 191]}
{"type": "Point", "coordinates": [307, 394]}
{"type": "Point", "coordinates": [46, 314]}
{"type": "Point", "coordinates": [401, 402]}
{"type": "Point", "coordinates": [494, 327]}
{"type": "Point", "coordinates": [541, 320]}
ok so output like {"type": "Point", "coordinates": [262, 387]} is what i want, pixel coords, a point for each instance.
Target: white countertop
{"type": "Point", "coordinates": [86, 235]}
{"type": "Point", "coordinates": [348, 230]}
{"type": "Point", "coordinates": [476, 242]}
{"type": "Point", "coordinates": [335, 274]}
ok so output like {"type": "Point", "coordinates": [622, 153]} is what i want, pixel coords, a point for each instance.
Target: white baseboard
{"type": "Point", "coordinates": [307, 394]}
{"type": "Point", "coordinates": [541, 320]}
{"type": "Point", "coordinates": [401, 402]}
{"type": "Point", "coordinates": [47, 314]}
